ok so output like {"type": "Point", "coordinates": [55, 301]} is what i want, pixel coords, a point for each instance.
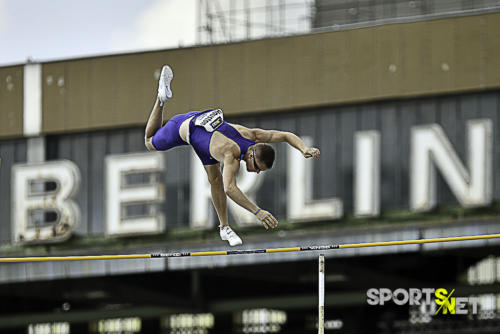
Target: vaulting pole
{"type": "Point", "coordinates": [247, 251]}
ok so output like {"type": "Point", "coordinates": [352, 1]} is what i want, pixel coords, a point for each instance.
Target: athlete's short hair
{"type": "Point", "coordinates": [265, 153]}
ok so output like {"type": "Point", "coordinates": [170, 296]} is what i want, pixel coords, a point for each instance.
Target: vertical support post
{"type": "Point", "coordinates": [321, 294]}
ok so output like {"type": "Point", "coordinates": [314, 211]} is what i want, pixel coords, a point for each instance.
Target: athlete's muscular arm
{"type": "Point", "coordinates": [231, 167]}
{"type": "Point", "coordinates": [275, 136]}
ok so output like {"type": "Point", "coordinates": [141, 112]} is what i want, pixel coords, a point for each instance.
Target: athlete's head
{"type": "Point", "coordinates": [260, 158]}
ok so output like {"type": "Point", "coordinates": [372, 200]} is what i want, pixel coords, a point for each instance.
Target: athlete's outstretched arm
{"type": "Point", "coordinates": [217, 190]}
{"type": "Point", "coordinates": [275, 136]}
{"type": "Point", "coordinates": [231, 167]}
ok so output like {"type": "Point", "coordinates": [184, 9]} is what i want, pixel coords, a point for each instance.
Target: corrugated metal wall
{"type": "Point", "coordinates": [340, 12]}
{"type": "Point", "coordinates": [88, 151]}
{"type": "Point", "coordinates": [332, 128]}
{"type": "Point", "coordinates": [11, 152]}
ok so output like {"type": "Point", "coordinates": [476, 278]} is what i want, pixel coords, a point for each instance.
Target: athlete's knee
{"type": "Point", "coordinates": [214, 178]}
{"type": "Point", "coordinates": [148, 142]}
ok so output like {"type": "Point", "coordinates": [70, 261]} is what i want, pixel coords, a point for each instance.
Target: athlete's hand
{"type": "Point", "coordinates": [267, 219]}
{"type": "Point", "coordinates": [311, 152]}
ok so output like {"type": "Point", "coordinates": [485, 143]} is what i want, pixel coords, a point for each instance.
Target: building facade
{"type": "Point", "coordinates": [405, 116]}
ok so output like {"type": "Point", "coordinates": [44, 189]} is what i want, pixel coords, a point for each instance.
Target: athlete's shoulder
{"type": "Point", "coordinates": [244, 131]}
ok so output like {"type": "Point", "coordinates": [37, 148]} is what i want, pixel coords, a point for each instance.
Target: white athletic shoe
{"type": "Point", "coordinates": [164, 91]}
{"type": "Point", "coordinates": [226, 233]}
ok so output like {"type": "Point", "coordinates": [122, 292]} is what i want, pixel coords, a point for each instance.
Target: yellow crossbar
{"type": "Point", "coordinates": [75, 258]}
{"type": "Point", "coordinates": [245, 251]}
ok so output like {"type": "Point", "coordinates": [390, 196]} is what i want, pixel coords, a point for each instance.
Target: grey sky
{"type": "Point", "coordinates": [60, 29]}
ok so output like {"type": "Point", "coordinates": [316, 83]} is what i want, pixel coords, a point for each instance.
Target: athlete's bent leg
{"type": "Point", "coordinates": [153, 124]}
{"type": "Point", "coordinates": [156, 117]}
